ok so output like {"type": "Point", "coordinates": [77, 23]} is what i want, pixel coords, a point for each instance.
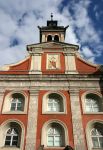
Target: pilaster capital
{"type": "Point", "coordinates": [69, 51]}
{"type": "Point", "coordinates": [34, 51]}
{"type": "Point", "coordinates": [1, 92]}
{"type": "Point", "coordinates": [34, 92]}
{"type": "Point", "coordinates": [74, 92]}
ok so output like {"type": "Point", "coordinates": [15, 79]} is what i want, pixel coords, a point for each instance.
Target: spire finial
{"type": "Point", "coordinates": [51, 16]}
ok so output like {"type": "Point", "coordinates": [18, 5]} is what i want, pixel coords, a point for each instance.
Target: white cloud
{"type": "Point", "coordinates": [33, 13]}
{"type": "Point", "coordinates": [87, 52]}
{"type": "Point", "coordinates": [82, 21]}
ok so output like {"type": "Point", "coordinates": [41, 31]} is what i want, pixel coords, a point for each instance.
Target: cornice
{"type": "Point", "coordinates": [51, 77]}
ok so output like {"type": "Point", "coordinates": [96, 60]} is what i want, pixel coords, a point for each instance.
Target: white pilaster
{"type": "Point", "coordinates": [1, 98]}
{"type": "Point", "coordinates": [36, 61]}
{"type": "Point", "coordinates": [32, 121]}
{"type": "Point", "coordinates": [77, 121]}
{"type": "Point", "coordinates": [70, 64]}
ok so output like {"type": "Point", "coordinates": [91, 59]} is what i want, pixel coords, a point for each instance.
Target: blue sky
{"type": "Point", "coordinates": [19, 20]}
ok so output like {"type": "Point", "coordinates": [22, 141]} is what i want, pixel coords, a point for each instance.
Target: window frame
{"type": "Point", "coordinates": [90, 125]}
{"type": "Point", "coordinates": [83, 98]}
{"type": "Point", "coordinates": [54, 135]}
{"type": "Point", "coordinates": [97, 136]}
{"type": "Point", "coordinates": [64, 133]}
{"type": "Point", "coordinates": [17, 101]}
{"type": "Point", "coordinates": [12, 135]}
{"type": "Point", "coordinates": [45, 103]}
{"type": "Point", "coordinates": [6, 109]}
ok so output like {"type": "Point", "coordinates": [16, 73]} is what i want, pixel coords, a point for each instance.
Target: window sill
{"type": "Point", "coordinates": [97, 148]}
{"type": "Point", "coordinates": [54, 147]}
{"type": "Point", "coordinates": [92, 113]}
{"type": "Point", "coordinates": [15, 112]}
{"type": "Point", "coordinates": [53, 113]}
{"type": "Point", "coordinates": [10, 148]}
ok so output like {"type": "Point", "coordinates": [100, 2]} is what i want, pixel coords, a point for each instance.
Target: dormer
{"type": "Point", "coordinates": [52, 32]}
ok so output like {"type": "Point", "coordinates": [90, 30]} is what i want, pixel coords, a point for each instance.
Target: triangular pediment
{"type": "Point", "coordinates": [52, 44]}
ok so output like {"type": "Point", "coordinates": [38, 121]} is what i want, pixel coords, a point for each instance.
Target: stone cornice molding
{"type": "Point", "coordinates": [34, 92]}
{"type": "Point", "coordinates": [69, 50]}
{"type": "Point", "coordinates": [35, 50]}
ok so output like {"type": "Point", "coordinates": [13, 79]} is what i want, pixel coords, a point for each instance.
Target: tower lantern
{"type": "Point", "coordinates": [52, 32]}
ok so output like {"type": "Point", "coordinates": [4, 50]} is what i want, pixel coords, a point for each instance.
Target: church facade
{"type": "Point", "coordinates": [51, 99]}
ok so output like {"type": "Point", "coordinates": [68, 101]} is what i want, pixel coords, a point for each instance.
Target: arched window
{"type": "Point", "coordinates": [49, 38]}
{"type": "Point", "coordinates": [55, 103]}
{"type": "Point", "coordinates": [97, 137]}
{"type": "Point", "coordinates": [93, 103]}
{"type": "Point", "coordinates": [54, 136]}
{"type": "Point", "coordinates": [17, 102]}
{"type": "Point", "coordinates": [11, 137]}
{"type": "Point", "coordinates": [12, 133]}
{"type": "Point", "coordinates": [56, 38]}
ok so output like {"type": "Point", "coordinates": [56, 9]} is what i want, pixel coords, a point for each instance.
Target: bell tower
{"type": "Point", "coordinates": [52, 32]}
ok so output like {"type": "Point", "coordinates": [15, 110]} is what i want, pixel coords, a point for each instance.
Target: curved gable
{"type": "Point", "coordinates": [85, 67]}
{"type": "Point", "coordinates": [24, 65]}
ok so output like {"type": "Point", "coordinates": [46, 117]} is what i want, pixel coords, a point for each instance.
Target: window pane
{"type": "Point", "coordinates": [57, 138]}
{"type": "Point", "coordinates": [95, 142]}
{"type": "Point", "coordinates": [101, 142]}
{"type": "Point", "coordinates": [94, 132]}
{"type": "Point", "coordinates": [57, 143]}
{"type": "Point", "coordinates": [7, 143]}
{"type": "Point", "coordinates": [19, 108]}
{"type": "Point", "coordinates": [12, 108]}
{"type": "Point", "coordinates": [15, 138]}
{"type": "Point", "coordinates": [96, 109]}
{"type": "Point", "coordinates": [8, 137]}
{"type": "Point", "coordinates": [88, 109]}
{"type": "Point", "coordinates": [13, 104]}
{"type": "Point", "coordinates": [19, 104]}
{"type": "Point", "coordinates": [50, 140]}
{"type": "Point", "coordinates": [92, 105]}
{"type": "Point", "coordinates": [14, 143]}
{"type": "Point", "coordinates": [50, 143]}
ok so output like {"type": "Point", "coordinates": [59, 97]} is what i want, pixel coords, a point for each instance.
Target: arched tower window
{"type": "Point", "coordinates": [49, 38]}
{"type": "Point", "coordinates": [56, 38]}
